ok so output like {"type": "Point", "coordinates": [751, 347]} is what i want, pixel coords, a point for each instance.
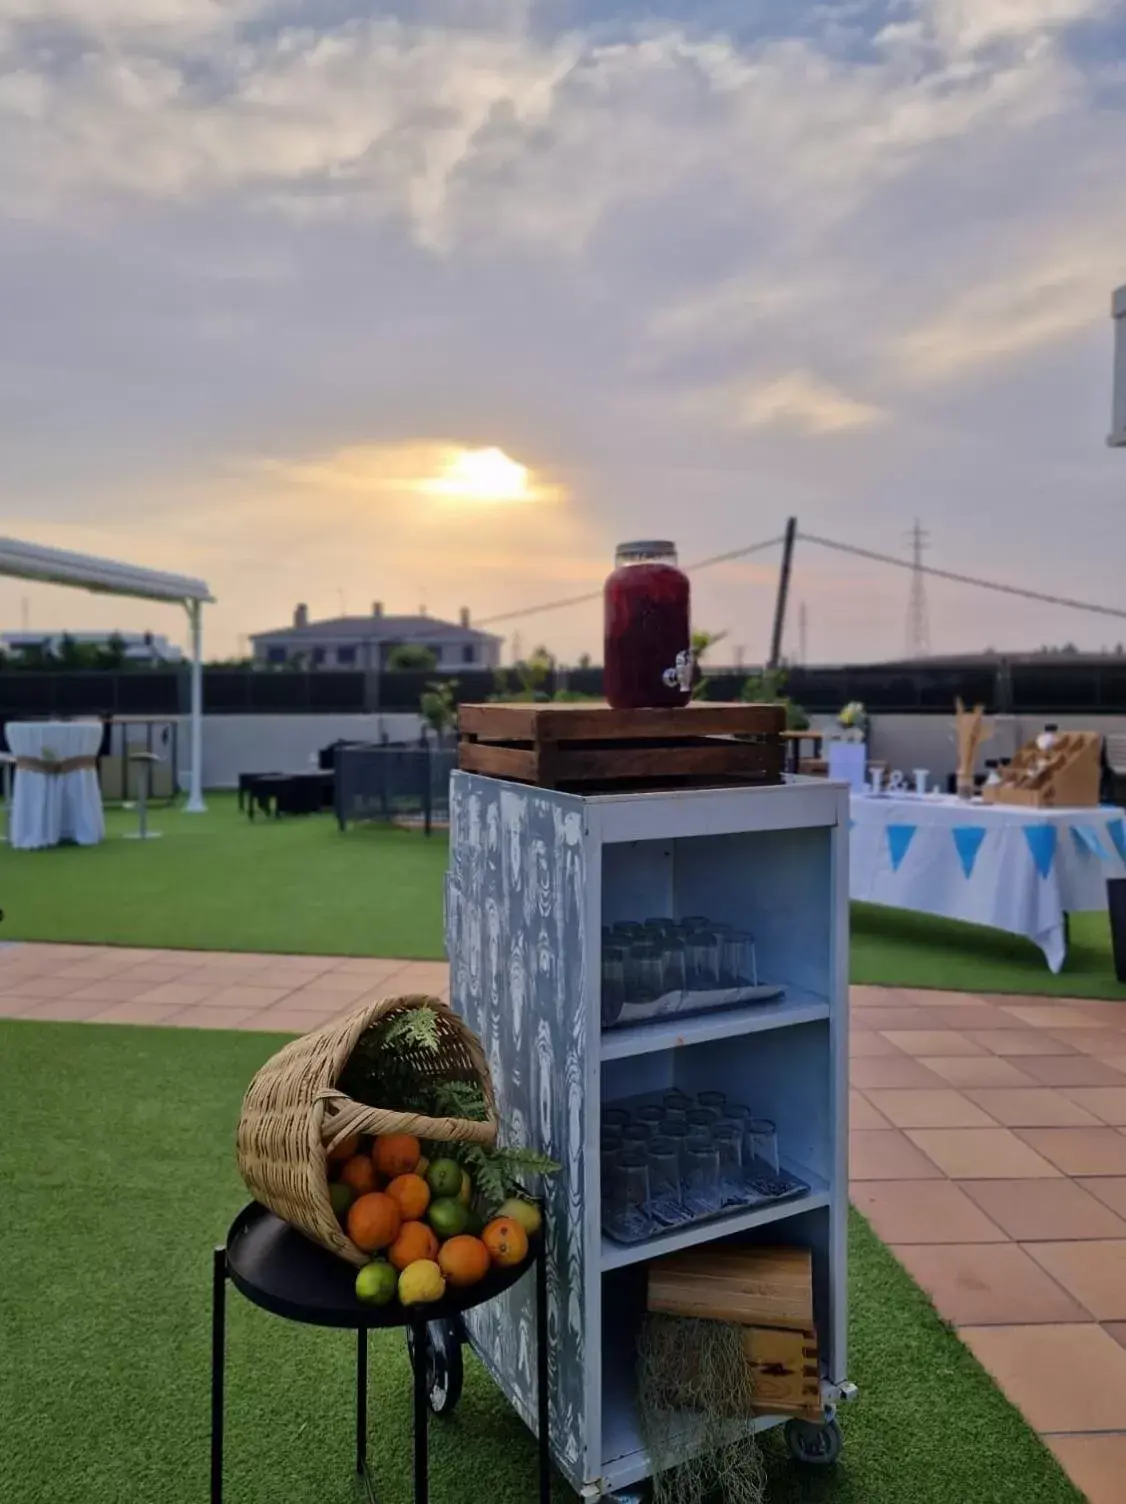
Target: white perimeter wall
{"type": "Point", "coordinates": [234, 744]}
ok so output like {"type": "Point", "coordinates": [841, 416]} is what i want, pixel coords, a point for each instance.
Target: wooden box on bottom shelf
{"type": "Point", "coordinates": [766, 1291]}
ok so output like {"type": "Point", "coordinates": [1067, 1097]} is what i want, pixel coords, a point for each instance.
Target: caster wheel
{"type": "Point", "coordinates": [816, 1445]}
{"type": "Point", "coordinates": [444, 1370]}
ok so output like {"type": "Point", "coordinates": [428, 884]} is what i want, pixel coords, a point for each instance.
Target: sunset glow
{"type": "Point", "coordinates": [481, 475]}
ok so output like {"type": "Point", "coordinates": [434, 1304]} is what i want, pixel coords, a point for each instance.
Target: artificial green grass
{"type": "Point", "coordinates": [117, 1179]}
{"type": "Point", "coordinates": [898, 948]}
{"type": "Point", "coordinates": [221, 882]}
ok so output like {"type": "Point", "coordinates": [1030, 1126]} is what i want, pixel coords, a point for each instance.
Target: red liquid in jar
{"type": "Point", "coordinates": [647, 626]}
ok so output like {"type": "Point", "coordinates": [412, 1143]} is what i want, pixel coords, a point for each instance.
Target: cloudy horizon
{"type": "Point", "coordinates": [272, 271]}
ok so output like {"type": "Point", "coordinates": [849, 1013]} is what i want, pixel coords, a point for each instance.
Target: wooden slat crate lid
{"type": "Point", "coordinates": [591, 747]}
{"type": "Point", "coordinates": [753, 1286]}
{"type": "Point", "coordinates": [580, 722]}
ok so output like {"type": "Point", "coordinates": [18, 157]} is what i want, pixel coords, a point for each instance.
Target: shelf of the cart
{"type": "Point", "coordinates": [679, 1032]}
{"type": "Point", "coordinates": [803, 804]}
{"type": "Point", "coordinates": [619, 1255]}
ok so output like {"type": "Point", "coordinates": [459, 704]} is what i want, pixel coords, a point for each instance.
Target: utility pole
{"type": "Point", "coordinates": [918, 618]}
{"type": "Point", "coordinates": [783, 592]}
{"type": "Point", "coordinates": [803, 635]}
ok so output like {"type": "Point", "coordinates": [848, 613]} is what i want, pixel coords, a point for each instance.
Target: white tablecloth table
{"type": "Point", "coordinates": [1006, 866]}
{"type": "Point", "coordinates": [49, 807]}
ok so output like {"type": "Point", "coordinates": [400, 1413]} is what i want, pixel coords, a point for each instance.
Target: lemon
{"type": "Point", "coordinates": [525, 1213]}
{"type": "Point", "coordinates": [420, 1283]}
{"type": "Point", "coordinates": [444, 1177]}
{"type": "Point", "coordinates": [448, 1217]}
{"type": "Point", "coordinates": [465, 1195]}
{"type": "Point", "coordinates": [376, 1283]}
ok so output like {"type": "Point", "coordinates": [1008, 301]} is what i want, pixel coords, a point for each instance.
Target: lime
{"type": "Point", "coordinates": [377, 1282]}
{"type": "Point", "coordinates": [341, 1196]}
{"type": "Point", "coordinates": [444, 1177]}
{"type": "Point", "coordinates": [465, 1195]}
{"type": "Point", "coordinates": [448, 1217]}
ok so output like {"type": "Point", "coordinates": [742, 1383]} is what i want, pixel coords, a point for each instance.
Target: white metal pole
{"type": "Point", "coordinates": [195, 804]}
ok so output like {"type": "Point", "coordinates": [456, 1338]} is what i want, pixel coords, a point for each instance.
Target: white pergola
{"type": "Point", "coordinates": [1118, 422]}
{"type": "Point", "coordinates": [55, 566]}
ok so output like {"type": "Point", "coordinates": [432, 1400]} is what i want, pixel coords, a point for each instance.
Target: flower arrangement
{"type": "Point", "coordinates": [853, 720]}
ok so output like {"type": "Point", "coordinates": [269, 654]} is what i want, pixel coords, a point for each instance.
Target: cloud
{"type": "Point", "coordinates": [647, 259]}
{"type": "Point", "coordinates": [798, 401]}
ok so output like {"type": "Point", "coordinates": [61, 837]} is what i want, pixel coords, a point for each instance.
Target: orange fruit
{"type": "Point", "coordinates": [412, 1193]}
{"type": "Point", "coordinates": [396, 1153]}
{"type": "Point", "coordinates": [506, 1241]}
{"type": "Point", "coordinates": [345, 1149]}
{"type": "Point", "coordinates": [415, 1241]}
{"type": "Point", "coordinates": [359, 1173]}
{"type": "Point", "coordinates": [463, 1260]}
{"type": "Point", "coordinates": [374, 1221]}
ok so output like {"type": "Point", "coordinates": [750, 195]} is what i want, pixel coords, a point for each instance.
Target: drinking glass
{"type": "Point", "coordinates": [629, 1194]}
{"type": "Point", "coordinates": [677, 1098]}
{"type": "Point", "coordinates": [613, 983]}
{"type": "Point", "coordinates": [695, 922]}
{"type": "Point", "coordinates": [716, 1101]}
{"type": "Point", "coordinates": [728, 1139]}
{"type": "Point", "coordinates": [737, 959]}
{"type": "Point", "coordinates": [700, 1119]}
{"type": "Point", "coordinates": [700, 1172]}
{"type": "Point", "coordinates": [614, 1117]}
{"type": "Point", "coordinates": [643, 972]}
{"type": "Point", "coordinates": [674, 963]}
{"type": "Point", "coordinates": [627, 929]}
{"type": "Point", "coordinates": [702, 955]}
{"type": "Point", "coordinates": [678, 1133]}
{"type": "Point", "coordinates": [664, 1180]}
{"type": "Point", "coordinates": [654, 1116]}
{"type": "Point", "coordinates": [639, 1134]}
{"type": "Point", "coordinates": [674, 1117]}
{"type": "Point", "coordinates": [762, 1145]}
{"type": "Point", "coordinates": [611, 1134]}
{"type": "Point", "coordinates": [656, 929]}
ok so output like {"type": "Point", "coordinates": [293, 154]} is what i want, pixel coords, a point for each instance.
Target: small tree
{"type": "Point", "coordinates": [438, 707]}
{"type": "Point", "coordinates": [767, 688]}
{"type": "Point", "coordinates": [702, 642]}
{"type": "Point", "coordinates": [412, 657]}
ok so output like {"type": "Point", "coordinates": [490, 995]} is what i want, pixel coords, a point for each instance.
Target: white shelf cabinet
{"type": "Point", "coordinates": [534, 875]}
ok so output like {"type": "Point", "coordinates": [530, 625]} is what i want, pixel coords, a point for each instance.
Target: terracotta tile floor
{"type": "Point", "coordinates": [988, 1148]}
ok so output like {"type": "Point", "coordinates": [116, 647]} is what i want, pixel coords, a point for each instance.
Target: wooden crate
{"type": "Point", "coordinates": [586, 747]}
{"type": "Point", "coordinates": [766, 1291]}
{"type": "Point", "coordinates": [1067, 777]}
{"type": "Point", "coordinates": [755, 1286]}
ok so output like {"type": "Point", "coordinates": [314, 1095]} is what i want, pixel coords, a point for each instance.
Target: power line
{"type": "Point", "coordinates": [966, 579]}
{"type": "Point", "coordinates": [596, 595]}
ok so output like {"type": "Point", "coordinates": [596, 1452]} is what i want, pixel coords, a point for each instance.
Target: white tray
{"type": "Point", "coordinates": [693, 1002]}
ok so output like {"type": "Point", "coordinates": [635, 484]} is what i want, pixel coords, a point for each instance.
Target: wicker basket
{"type": "Point", "coordinates": [292, 1114]}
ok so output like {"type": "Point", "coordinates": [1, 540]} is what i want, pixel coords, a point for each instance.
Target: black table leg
{"type": "Point", "coordinates": [543, 1396]}
{"type": "Point", "coordinates": [362, 1413]}
{"type": "Point", "coordinates": [421, 1405]}
{"type": "Point", "coordinates": [218, 1363]}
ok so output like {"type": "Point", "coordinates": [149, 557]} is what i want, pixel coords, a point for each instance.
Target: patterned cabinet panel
{"type": "Point", "coordinates": [515, 933]}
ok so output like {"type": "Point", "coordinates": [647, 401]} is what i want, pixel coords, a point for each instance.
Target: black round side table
{"type": "Point", "coordinates": [279, 1269]}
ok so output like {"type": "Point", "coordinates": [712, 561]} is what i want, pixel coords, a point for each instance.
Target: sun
{"type": "Point", "coordinates": [481, 475]}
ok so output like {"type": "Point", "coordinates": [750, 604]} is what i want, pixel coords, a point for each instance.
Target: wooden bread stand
{"type": "Point", "coordinates": [769, 1293]}
{"type": "Point", "coordinates": [970, 730]}
{"type": "Point", "coordinates": [1066, 777]}
{"type": "Point", "coordinates": [587, 747]}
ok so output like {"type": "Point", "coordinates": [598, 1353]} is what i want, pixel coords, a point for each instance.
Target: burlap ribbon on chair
{"type": "Point", "coordinates": [55, 765]}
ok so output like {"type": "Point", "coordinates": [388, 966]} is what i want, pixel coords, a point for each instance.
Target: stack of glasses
{"type": "Point", "coordinates": [645, 960]}
{"type": "Point", "coordinates": [684, 1159]}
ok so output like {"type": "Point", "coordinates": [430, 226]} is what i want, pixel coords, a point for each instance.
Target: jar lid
{"type": "Point", "coordinates": [647, 549]}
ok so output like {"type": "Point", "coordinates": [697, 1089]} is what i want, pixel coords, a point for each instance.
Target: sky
{"type": "Point", "coordinates": [270, 270]}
